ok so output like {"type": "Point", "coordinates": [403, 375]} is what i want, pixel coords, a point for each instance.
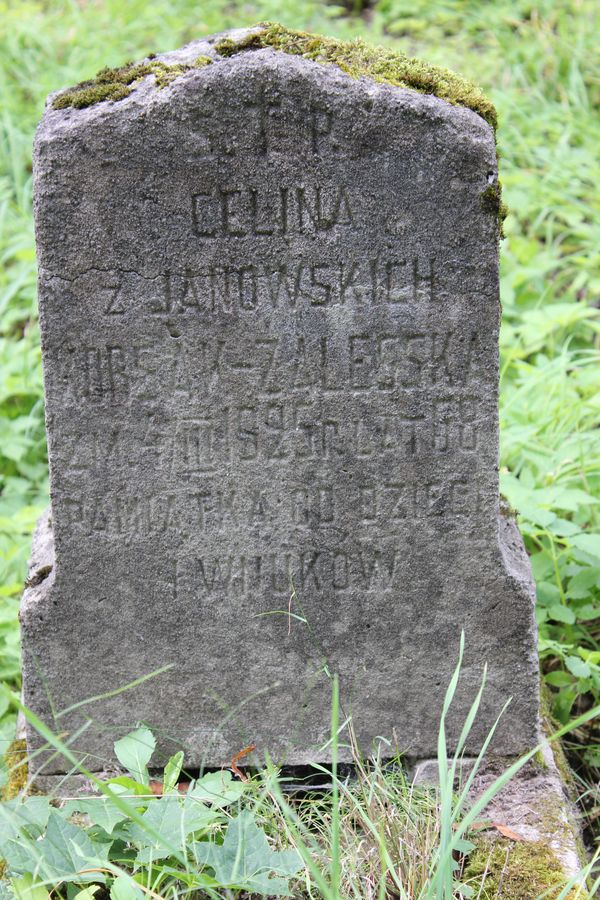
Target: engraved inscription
{"type": "Point", "coordinates": [281, 434]}
{"type": "Point", "coordinates": [234, 212]}
{"type": "Point", "coordinates": [365, 567]}
{"type": "Point", "coordinates": [263, 115]}
{"type": "Point", "coordinates": [213, 509]}
{"type": "Point", "coordinates": [387, 362]}
{"type": "Point", "coordinates": [400, 282]}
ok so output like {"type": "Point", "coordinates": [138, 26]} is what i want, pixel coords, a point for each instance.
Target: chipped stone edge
{"type": "Point", "coordinates": [41, 570]}
{"type": "Point", "coordinates": [535, 804]}
{"type": "Point", "coordinates": [38, 586]}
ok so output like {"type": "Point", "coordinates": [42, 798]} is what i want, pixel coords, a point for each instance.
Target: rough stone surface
{"type": "Point", "coordinates": [269, 308]}
{"type": "Point", "coordinates": [534, 805]}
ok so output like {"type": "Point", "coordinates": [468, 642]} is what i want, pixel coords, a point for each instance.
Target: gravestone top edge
{"type": "Point", "coordinates": [357, 59]}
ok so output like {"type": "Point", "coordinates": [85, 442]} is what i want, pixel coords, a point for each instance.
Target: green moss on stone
{"type": "Point", "coordinates": [506, 510]}
{"type": "Point", "coordinates": [491, 201]}
{"type": "Point", "coordinates": [360, 59]}
{"type": "Point", "coordinates": [16, 763]}
{"type": "Point", "coordinates": [88, 93]}
{"type": "Point", "coordinates": [515, 871]}
{"type": "Point", "coordinates": [116, 84]}
{"type": "Point", "coordinates": [549, 726]}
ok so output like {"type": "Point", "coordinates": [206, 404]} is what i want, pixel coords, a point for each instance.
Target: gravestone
{"type": "Point", "coordinates": [269, 310]}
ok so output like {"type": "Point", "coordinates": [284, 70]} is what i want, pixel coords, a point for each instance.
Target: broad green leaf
{"type": "Point", "coordinates": [124, 785]}
{"type": "Point", "coordinates": [541, 565]}
{"type": "Point", "coordinates": [174, 818]}
{"type": "Point", "coordinates": [463, 846]}
{"type": "Point", "coordinates": [21, 855]}
{"type": "Point", "coordinates": [588, 613]}
{"type": "Point", "coordinates": [589, 543]}
{"type": "Point", "coordinates": [172, 772]}
{"type": "Point", "coordinates": [561, 613]}
{"type": "Point", "coordinates": [578, 667]}
{"type": "Point", "coordinates": [558, 679]}
{"type": "Point", "coordinates": [548, 594]}
{"type": "Point", "coordinates": [218, 788]}
{"type": "Point", "coordinates": [27, 817]}
{"type": "Point", "coordinates": [541, 517]}
{"type": "Point", "coordinates": [99, 810]}
{"type": "Point", "coordinates": [245, 861]}
{"type": "Point", "coordinates": [573, 498]}
{"type": "Point", "coordinates": [125, 888]}
{"type": "Point", "coordinates": [88, 893]}
{"type": "Point", "coordinates": [26, 888]}
{"type": "Point", "coordinates": [67, 851]}
{"type": "Point", "coordinates": [134, 751]}
{"type": "Point", "coordinates": [583, 581]}
{"type": "Point", "coordinates": [62, 854]}
{"type": "Point", "coordinates": [563, 702]}
{"type": "Point", "coordinates": [564, 528]}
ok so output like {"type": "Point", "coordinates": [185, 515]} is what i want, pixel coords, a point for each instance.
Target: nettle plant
{"type": "Point", "coordinates": [143, 838]}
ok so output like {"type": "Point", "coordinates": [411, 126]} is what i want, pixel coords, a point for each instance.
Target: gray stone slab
{"type": "Point", "coordinates": [535, 807]}
{"type": "Point", "coordinates": [269, 311]}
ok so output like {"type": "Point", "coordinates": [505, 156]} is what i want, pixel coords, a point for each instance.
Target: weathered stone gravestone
{"type": "Point", "coordinates": [269, 306]}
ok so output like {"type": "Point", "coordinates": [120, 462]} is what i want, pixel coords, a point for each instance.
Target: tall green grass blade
{"type": "Point", "coordinates": [335, 806]}
{"type": "Point", "coordinates": [302, 840]}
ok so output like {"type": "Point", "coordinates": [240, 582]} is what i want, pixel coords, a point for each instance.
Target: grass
{"type": "Point", "coordinates": [539, 64]}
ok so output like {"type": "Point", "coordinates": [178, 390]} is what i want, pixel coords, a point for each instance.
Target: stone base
{"type": "Point", "coordinates": [203, 742]}
{"type": "Point", "coordinates": [65, 787]}
{"type": "Point", "coordinates": [535, 806]}
{"type": "Point", "coordinates": [530, 829]}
